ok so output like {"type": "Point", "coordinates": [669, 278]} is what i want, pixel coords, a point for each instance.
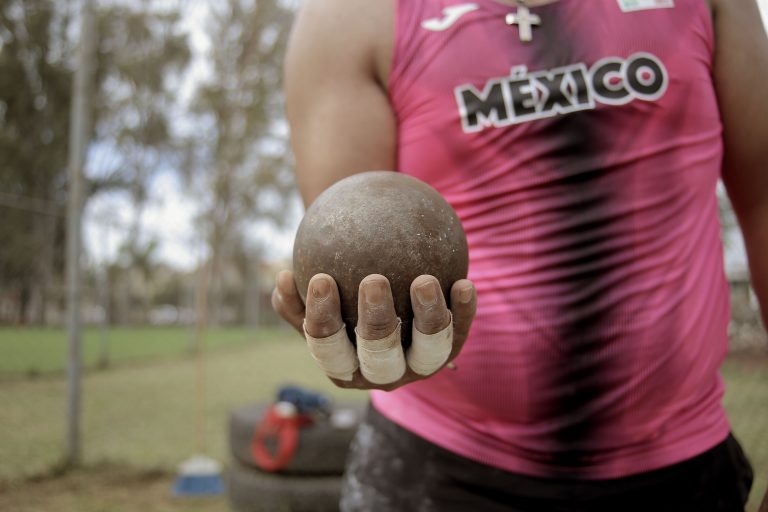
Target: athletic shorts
{"type": "Point", "coordinates": [391, 469]}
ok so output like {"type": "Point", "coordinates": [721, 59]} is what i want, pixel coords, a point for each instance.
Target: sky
{"type": "Point", "coordinates": [169, 215]}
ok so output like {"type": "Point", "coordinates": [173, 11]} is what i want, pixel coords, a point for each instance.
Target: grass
{"type": "Point", "coordinates": [146, 415]}
{"type": "Point", "coordinates": [139, 422]}
{"type": "Point", "coordinates": [39, 351]}
{"type": "Point", "coordinates": [746, 400]}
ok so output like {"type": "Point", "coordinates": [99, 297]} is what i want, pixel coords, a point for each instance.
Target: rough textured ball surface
{"type": "Point", "coordinates": [380, 222]}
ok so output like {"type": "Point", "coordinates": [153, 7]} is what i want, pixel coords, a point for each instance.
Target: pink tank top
{"type": "Point", "coordinates": [583, 165]}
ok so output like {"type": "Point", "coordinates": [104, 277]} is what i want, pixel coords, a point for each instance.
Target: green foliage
{"type": "Point", "coordinates": [34, 118]}
{"type": "Point", "coordinates": [34, 98]}
{"type": "Point", "coordinates": [242, 103]}
{"type": "Point", "coordinates": [229, 142]}
{"type": "Point", "coordinates": [241, 159]}
{"type": "Point", "coordinates": [139, 52]}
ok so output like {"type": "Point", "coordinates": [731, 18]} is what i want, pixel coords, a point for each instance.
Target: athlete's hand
{"type": "Point", "coordinates": [379, 361]}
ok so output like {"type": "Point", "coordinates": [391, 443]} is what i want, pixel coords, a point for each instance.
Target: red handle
{"type": "Point", "coordinates": [285, 431]}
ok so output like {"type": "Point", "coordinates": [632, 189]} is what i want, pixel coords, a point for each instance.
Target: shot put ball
{"type": "Point", "coordinates": [380, 222]}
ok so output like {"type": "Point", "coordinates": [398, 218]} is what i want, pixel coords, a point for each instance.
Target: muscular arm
{"type": "Point", "coordinates": [335, 76]}
{"type": "Point", "coordinates": [341, 124]}
{"type": "Point", "coordinates": [741, 79]}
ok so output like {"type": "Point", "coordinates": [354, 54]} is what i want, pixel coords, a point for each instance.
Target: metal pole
{"type": "Point", "coordinates": [202, 332]}
{"type": "Point", "coordinates": [80, 130]}
{"type": "Point", "coordinates": [104, 331]}
{"type": "Point", "coordinates": [105, 295]}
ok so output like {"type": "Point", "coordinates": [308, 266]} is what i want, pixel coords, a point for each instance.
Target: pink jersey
{"type": "Point", "coordinates": [583, 165]}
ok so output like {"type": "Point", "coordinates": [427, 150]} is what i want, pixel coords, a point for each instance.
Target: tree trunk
{"type": "Point", "coordinates": [25, 295]}
{"type": "Point", "coordinates": [252, 292]}
{"type": "Point", "coordinates": [46, 228]}
{"type": "Point", "coordinates": [221, 223]}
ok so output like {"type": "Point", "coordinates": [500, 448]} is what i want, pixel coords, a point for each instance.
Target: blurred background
{"type": "Point", "coordinates": [188, 210]}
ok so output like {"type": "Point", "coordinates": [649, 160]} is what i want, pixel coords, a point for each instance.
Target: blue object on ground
{"type": "Point", "coordinates": [198, 476]}
{"type": "Point", "coordinates": [306, 401]}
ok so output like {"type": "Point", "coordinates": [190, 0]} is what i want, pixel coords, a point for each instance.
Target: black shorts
{"type": "Point", "coordinates": [391, 469]}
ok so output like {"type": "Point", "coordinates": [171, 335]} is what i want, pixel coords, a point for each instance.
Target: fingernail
{"type": "Point", "coordinates": [426, 294]}
{"type": "Point", "coordinates": [321, 288]}
{"type": "Point", "coordinates": [465, 295]}
{"type": "Point", "coordinates": [373, 292]}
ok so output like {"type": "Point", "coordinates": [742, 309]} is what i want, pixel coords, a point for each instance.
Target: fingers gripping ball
{"type": "Point", "coordinates": [382, 361]}
{"type": "Point", "coordinates": [429, 352]}
{"type": "Point", "coordinates": [335, 355]}
{"type": "Point", "coordinates": [385, 223]}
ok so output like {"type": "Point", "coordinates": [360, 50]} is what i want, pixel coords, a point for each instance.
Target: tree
{"type": "Point", "coordinates": [241, 156]}
{"type": "Point", "coordinates": [142, 57]}
{"type": "Point", "coordinates": [141, 54]}
{"type": "Point", "coordinates": [35, 87]}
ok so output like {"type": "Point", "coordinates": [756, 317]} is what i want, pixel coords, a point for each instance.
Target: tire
{"type": "Point", "coordinates": [322, 447]}
{"type": "Point", "coordinates": [250, 490]}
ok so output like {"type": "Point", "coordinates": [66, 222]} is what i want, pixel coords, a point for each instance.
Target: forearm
{"type": "Point", "coordinates": [740, 75]}
{"type": "Point", "coordinates": [754, 226]}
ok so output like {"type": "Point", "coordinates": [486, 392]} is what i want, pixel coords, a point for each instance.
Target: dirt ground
{"type": "Point", "coordinates": [103, 488]}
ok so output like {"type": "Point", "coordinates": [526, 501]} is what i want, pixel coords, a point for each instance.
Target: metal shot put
{"type": "Point", "coordinates": [399, 228]}
{"type": "Point", "coordinates": [391, 253]}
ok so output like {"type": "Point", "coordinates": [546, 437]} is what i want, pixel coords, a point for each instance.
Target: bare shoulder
{"type": "Point", "coordinates": [338, 37]}
{"type": "Point", "coordinates": [336, 103]}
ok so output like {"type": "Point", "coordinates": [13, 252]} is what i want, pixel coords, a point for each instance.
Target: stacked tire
{"type": "Point", "coordinates": [310, 481]}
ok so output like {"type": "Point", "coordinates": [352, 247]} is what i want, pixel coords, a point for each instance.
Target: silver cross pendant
{"type": "Point", "coordinates": [525, 21]}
